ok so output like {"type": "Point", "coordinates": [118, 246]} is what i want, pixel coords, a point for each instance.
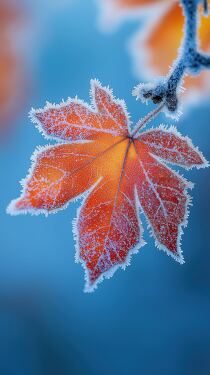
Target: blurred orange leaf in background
{"type": "Point", "coordinates": [13, 72]}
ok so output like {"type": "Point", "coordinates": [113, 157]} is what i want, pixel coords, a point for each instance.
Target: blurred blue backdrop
{"type": "Point", "coordinates": [154, 318]}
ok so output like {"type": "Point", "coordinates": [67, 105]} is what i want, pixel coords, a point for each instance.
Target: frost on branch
{"type": "Point", "coordinates": [117, 172]}
{"type": "Point", "coordinates": [190, 61]}
{"type": "Point", "coordinates": [164, 35]}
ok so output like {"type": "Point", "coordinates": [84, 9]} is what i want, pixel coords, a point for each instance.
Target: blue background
{"type": "Point", "coordinates": [154, 318]}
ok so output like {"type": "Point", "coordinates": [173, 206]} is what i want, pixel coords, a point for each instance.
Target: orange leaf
{"type": "Point", "coordinates": [135, 3]}
{"type": "Point", "coordinates": [76, 121]}
{"type": "Point", "coordinates": [12, 74]}
{"type": "Point", "coordinates": [118, 172]}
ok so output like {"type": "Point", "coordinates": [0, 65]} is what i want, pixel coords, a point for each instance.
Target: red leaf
{"type": "Point", "coordinates": [108, 223]}
{"type": "Point", "coordinates": [162, 195]}
{"type": "Point", "coordinates": [75, 120]}
{"type": "Point", "coordinates": [168, 144]}
{"type": "Point", "coordinates": [117, 169]}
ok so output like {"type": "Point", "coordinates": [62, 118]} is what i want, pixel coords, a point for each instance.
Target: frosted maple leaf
{"type": "Point", "coordinates": [118, 172]}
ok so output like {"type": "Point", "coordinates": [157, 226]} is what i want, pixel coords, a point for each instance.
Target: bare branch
{"type": "Point", "coordinates": [190, 60]}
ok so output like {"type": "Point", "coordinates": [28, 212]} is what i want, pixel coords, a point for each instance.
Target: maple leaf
{"type": "Point", "coordinates": [118, 171]}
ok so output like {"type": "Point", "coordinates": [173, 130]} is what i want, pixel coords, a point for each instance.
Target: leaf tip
{"type": "Point", "coordinates": [95, 83]}
{"type": "Point", "coordinates": [10, 210]}
{"type": "Point", "coordinates": [16, 207]}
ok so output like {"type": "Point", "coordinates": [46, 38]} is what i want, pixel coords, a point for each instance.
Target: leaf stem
{"type": "Point", "coordinates": [150, 116]}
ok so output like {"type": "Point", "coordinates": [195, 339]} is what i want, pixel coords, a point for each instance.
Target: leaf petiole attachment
{"type": "Point", "coordinates": [150, 116]}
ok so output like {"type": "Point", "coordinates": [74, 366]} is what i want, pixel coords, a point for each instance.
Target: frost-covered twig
{"type": "Point", "coordinates": [190, 61]}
